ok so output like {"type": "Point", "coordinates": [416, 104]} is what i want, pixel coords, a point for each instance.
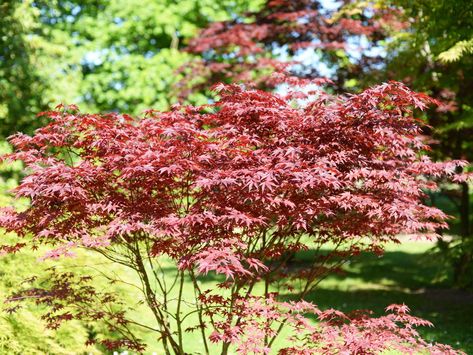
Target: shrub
{"type": "Point", "coordinates": [233, 188]}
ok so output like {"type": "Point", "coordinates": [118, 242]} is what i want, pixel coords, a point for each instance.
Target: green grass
{"type": "Point", "coordinates": [409, 274]}
{"type": "Point", "coordinates": [406, 273]}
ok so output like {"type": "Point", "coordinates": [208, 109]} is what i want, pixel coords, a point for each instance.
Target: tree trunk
{"type": "Point", "coordinates": [462, 266]}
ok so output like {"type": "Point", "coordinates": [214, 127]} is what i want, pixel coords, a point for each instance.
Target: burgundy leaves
{"type": "Point", "coordinates": [248, 48]}
{"type": "Point", "coordinates": [347, 168]}
{"type": "Point", "coordinates": [235, 188]}
{"type": "Point", "coordinates": [336, 332]}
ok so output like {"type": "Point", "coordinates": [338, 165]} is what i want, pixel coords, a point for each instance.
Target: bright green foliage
{"type": "Point", "coordinates": [441, 23]}
{"type": "Point", "coordinates": [124, 55]}
{"type": "Point", "coordinates": [24, 333]}
{"type": "Point", "coordinates": [106, 55]}
{"type": "Point", "coordinates": [457, 51]}
{"type": "Point", "coordinates": [20, 86]}
{"type": "Point", "coordinates": [433, 54]}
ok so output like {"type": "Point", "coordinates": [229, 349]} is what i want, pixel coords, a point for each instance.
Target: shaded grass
{"type": "Point", "coordinates": [409, 274]}
{"type": "Point", "coordinates": [406, 273]}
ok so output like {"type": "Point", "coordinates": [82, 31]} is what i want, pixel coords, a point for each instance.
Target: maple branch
{"type": "Point", "coordinates": [199, 310]}
{"type": "Point", "coordinates": [151, 300]}
{"type": "Point", "coordinates": [178, 311]}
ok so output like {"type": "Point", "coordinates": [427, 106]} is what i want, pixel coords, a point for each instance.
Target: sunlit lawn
{"type": "Point", "coordinates": [404, 274]}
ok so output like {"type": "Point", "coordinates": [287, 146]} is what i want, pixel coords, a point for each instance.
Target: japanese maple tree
{"type": "Point", "coordinates": [358, 43]}
{"type": "Point", "coordinates": [297, 35]}
{"type": "Point", "coordinates": [235, 189]}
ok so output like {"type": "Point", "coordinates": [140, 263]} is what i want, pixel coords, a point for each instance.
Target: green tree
{"type": "Point", "coordinates": [20, 84]}
{"type": "Point", "coordinates": [126, 54]}
{"type": "Point", "coordinates": [106, 55]}
{"type": "Point", "coordinates": [433, 54]}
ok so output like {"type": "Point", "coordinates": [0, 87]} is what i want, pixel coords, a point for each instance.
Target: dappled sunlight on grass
{"type": "Point", "coordinates": [405, 273]}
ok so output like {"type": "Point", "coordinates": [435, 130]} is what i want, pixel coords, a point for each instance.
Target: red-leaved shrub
{"type": "Point", "coordinates": [235, 188]}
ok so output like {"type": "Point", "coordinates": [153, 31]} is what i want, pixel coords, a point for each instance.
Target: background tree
{"type": "Point", "coordinates": [312, 38]}
{"type": "Point", "coordinates": [126, 53]}
{"type": "Point", "coordinates": [20, 84]}
{"type": "Point", "coordinates": [105, 55]}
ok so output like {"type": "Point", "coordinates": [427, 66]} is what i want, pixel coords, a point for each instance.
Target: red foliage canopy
{"type": "Point", "coordinates": [336, 168]}
{"type": "Point", "coordinates": [234, 188]}
{"type": "Point", "coordinates": [245, 49]}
